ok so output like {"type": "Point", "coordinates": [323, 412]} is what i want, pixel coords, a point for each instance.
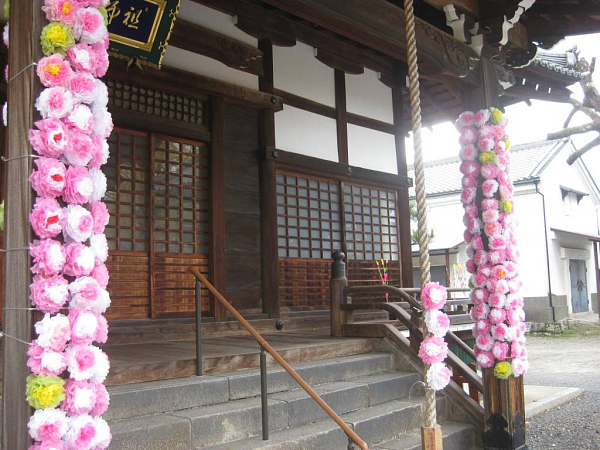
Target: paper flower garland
{"type": "Point", "coordinates": [433, 349]}
{"type": "Point", "coordinates": [68, 219]}
{"type": "Point", "coordinates": [498, 312]}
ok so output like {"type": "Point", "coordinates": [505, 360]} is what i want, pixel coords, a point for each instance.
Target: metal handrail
{"type": "Point", "coordinates": [264, 344]}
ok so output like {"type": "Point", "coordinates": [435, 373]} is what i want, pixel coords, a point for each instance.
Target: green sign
{"type": "Point", "coordinates": [140, 29]}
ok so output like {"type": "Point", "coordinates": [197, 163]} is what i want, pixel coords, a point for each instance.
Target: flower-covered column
{"type": "Point", "coordinates": [499, 329]}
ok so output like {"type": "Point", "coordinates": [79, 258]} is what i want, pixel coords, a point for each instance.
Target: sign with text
{"type": "Point", "coordinates": [140, 29]}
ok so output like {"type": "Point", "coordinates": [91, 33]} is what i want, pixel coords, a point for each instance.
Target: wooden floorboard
{"type": "Point", "coordinates": [133, 363]}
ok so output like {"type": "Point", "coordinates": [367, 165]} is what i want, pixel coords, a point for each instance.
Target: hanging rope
{"type": "Point", "coordinates": [415, 111]}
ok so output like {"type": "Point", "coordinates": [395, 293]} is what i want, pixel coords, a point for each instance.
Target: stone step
{"type": "Point", "coordinates": [456, 436]}
{"type": "Point", "coordinates": [374, 424]}
{"type": "Point", "coordinates": [185, 393]}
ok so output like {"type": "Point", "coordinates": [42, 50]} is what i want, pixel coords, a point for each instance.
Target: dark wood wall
{"type": "Point", "coordinates": [242, 209]}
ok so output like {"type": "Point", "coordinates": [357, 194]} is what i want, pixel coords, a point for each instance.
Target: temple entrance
{"type": "Point", "coordinates": [158, 197]}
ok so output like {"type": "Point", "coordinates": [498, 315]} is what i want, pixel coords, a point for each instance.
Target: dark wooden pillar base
{"type": "Point", "coordinates": [504, 413]}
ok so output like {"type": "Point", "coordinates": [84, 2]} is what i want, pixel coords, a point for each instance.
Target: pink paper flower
{"type": "Point", "coordinates": [511, 269]}
{"type": "Point", "coordinates": [103, 124]}
{"type": "Point", "coordinates": [5, 35]}
{"type": "Point", "coordinates": [468, 152]}
{"type": "Point", "coordinates": [49, 178]}
{"type": "Point", "coordinates": [100, 274]}
{"type": "Point", "coordinates": [86, 362]}
{"type": "Point", "coordinates": [497, 300]}
{"type": "Point", "coordinates": [100, 215]}
{"type": "Point", "coordinates": [87, 327]}
{"type": "Point", "coordinates": [80, 260]}
{"type": "Point", "coordinates": [499, 272]}
{"type": "Point", "coordinates": [87, 294]}
{"type": "Point", "coordinates": [54, 102]}
{"type": "Point", "coordinates": [64, 11]}
{"type": "Point", "coordinates": [50, 139]}
{"type": "Point", "coordinates": [434, 296]}
{"type": "Point", "coordinates": [100, 184]}
{"type": "Point", "coordinates": [496, 256]}
{"type": "Point", "coordinates": [480, 312]}
{"type": "Point", "coordinates": [475, 226]}
{"type": "Point", "coordinates": [102, 401]}
{"type": "Point", "coordinates": [438, 376]}
{"type": "Point", "coordinates": [505, 191]}
{"type": "Point", "coordinates": [79, 186]}
{"type": "Point", "coordinates": [83, 87]}
{"type": "Point", "coordinates": [470, 266]}
{"type": "Point", "coordinates": [514, 301]}
{"type": "Point", "coordinates": [81, 433]}
{"type": "Point", "coordinates": [48, 445]}
{"type": "Point", "coordinates": [469, 182]}
{"type": "Point", "coordinates": [101, 61]}
{"type": "Point", "coordinates": [48, 257]}
{"type": "Point", "coordinates": [468, 195]}
{"type": "Point", "coordinates": [492, 229]}
{"type": "Point", "coordinates": [79, 224]}
{"type": "Point", "coordinates": [489, 188]}
{"type": "Point", "coordinates": [470, 168]}
{"type": "Point", "coordinates": [466, 119]}
{"type": "Point", "coordinates": [489, 171]}
{"type": "Point", "coordinates": [497, 242]}
{"type": "Point", "coordinates": [49, 294]}
{"type": "Point", "coordinates": [80, 397]}
{"type": "Point", "coordinates": [82, 58]}
{"type": "Point", "coordinates": [497, 315]}
{"type": "Point", "coordinates": [480, 296]}
{"type": "Point", "coordinates": [485, 144]}
{"type": "Point", "coordinates": [470, 211]}
{"type": "Point", "coordinates": [47, 217]}
{"type": "Point", "coordinates": [477, 243]}
{"type": "Point", "coordinates": [94, 3]}
{"type": "Point", "coordinates": [81, 150]}
{"type": "Point", "coordinates": [504, 178]}
{"type": "Point", "coordinates": [519, 366]}
{"type": "Point", "coordinates": [481, 117]}
{"type": "Point", "coordinates": [480, 257]}
{"type": "Point", "coordinates": [437, 322]}
{"type": "Point", "coordinates": [43, 361]}
{"type": "Point", "coordinates": [468, 135]}
{"type": "Point", "coordinates": [484, 342]}
{"type": "Point", "coordinates": [53, 332]}
{"type": "Point", "coordinates": [81, 119]}
{"type": "Point", "coordinates": [488, 204]}
{"type": "Point", "coordinates": [500, 332]}
{"type": "Point", "coordinates": [490, 215]}
{"type": "Point", "coordinates": [90, 27]}
{"type": "Point", "coordinates": [100, 152]}
{"type": "Point", "coordinates": [500, 350]}
{"type": "Point", "coordinates": [483, 326]}
{"type": "Point", "coordinates": [515, 316]}
{"type": "Point", "coordinates": [54, 70]}
{"type": "Point", "coordinates": [516, 348]}
{"type": "Point", "coordinates": [485, 359]}
{"type": "Point", "coordinates": [479, 280]}
{"type": "Point", "coordinates": [433, 350]}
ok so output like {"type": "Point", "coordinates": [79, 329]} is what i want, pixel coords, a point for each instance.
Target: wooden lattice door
{"type": "Point", "coordinates": [158, 197]}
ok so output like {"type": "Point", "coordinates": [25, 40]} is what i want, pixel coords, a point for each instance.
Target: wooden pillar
{"type": "Point", "coordinates": [217, 180]}
{"type": "Point", "coordinates": [337, 283]}
{"type": "Point", "coordinates": [341, 116]}
{"type": "Point", "coordinates": [405, 240]}
{"type": "Point", "coordinates": [447, 260]}
{"type": "Point", "coordinates": [504, 400]}
{"type": "Point", "coordinates": [268, 193]}
{"type": "Point", "coordinates": [26, 22]}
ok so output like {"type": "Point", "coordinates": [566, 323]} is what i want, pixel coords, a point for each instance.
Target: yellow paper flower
{"type": "Point", "coordinates": [506, 206]}
{"type": "Point", "coordinates": [503, 370]}
{"type": "Point", "coordinates": [496, 116]}
{"type": "Point", "coordinates": [45, 392]}
{"type": "Point", "coordinates": [507, 142]}
{"type": "Point", "coordinates": [56, 38]}
{"type": "Point", "coordinates": [487, 157]}
{"type": "Point", "coordinates": [104, 13]}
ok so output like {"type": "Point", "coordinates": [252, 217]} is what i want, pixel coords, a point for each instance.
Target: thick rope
{"type": "Point", "coordinates": [415, 110]}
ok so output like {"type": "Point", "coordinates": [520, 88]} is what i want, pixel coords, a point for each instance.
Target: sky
{"type": "Point", "coordinates": [527, 123]}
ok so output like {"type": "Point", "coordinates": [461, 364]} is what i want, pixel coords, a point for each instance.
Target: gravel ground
{"type": "Point", "coordinates": [569, 360]}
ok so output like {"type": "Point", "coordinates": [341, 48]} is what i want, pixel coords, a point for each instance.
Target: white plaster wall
{"type": "Point", "coordinates": [306, 133]}
{"type": "Point", "coordinates": [214, 20]}
{"type": "Point", "coordinates": [371, 149]}
{"type": "Point", "coordinates": [367, 96]}
{"type": "Point", "coordinates": [296, 70]}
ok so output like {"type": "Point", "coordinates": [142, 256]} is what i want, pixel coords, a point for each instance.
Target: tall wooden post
{"type": "Point", "coordinates": [268, 194]}
{"type": "Point", "coordinates": [337, 283]}
{"type": "Point", "coordinates": [26, 22]}
{"type": "Point", "coordinates": [504, 400]}
{"type": "Point", "coordinates": [597, 273]}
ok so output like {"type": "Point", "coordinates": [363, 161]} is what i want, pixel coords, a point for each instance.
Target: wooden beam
{"type": "Point", "coordinates": [469, 6]}
{"type": "Point", "coordinates": [26, 22]}
{"type": "Point", "coordinates": [339, 62]}
{"type": "Point", "coordinates": [341, 116]}
{"type": "Point", "coordinates": [320, 167]}
{"type": "Point", "coordinates": [529, 93]}
{"type": "Point", "coordinates": [231, 52]}
{"type": "Point", "coordinates": [183, 82]}
{"type": "Point", "coordinates": [377, 25]}
{"type": "Point", "coordinates": [404, 234]}
{"type": "Point", "coordinates": [268, 192]}
{"type": "Point", "coordinates": [273, 30]}
{"type": "Point", "coordinates": [217, 212]}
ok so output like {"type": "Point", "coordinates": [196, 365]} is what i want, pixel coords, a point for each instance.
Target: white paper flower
{"type": "Point", "coordinates": [103, 123]}
{"type": "Point", "coordinates": [48, 424]}
{"type": "Point", "coordinates": [99, 245]}
{"type": "Point", "coordinates": [54, 102]}
{"type": "Point", "coordinates": [437, 322]}
{"type": "Point", "coordinates": [81, 433]}
{"type": "Point", "coordinates": [79, 224]}
{"type": "Point", "coordinates": [99, 184]}
{"type": "Point", "coordinates": [53, 332]}
{"type": "Point", "coordinates": [103, 436]}
{"type": "Point", "coordinates": [438, 376]}
{"type": "Point", "coordinates": [86, 362]}
{"type": "Point", "coordinates": [81, 118]}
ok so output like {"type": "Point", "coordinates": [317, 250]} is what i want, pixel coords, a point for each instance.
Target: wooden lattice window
{"type": "Point", "coordinates": [128, 191]}
{"type": "Point", "coordinates": [131, 97]}
{"type": "Point", "coordinates": [181, 196]}
{"type": "Point", "coordinates": [308, 216]}
{"type": "Point", "coordinates": [370, 218]}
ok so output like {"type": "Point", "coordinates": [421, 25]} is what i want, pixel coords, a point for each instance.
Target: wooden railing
{"type": "Point", "coordinates": [265, 345]}
{"type": "Point", "coordinates": [407, 310]}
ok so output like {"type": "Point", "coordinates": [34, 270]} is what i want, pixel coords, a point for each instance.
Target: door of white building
{"type": "Point", "coordinates": [579, 291]}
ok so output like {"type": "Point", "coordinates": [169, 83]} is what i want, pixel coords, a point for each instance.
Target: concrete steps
{"type": "Point", "coordinates": [223, 411]}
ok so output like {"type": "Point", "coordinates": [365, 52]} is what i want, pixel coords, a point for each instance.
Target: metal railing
{"type": "Point", "coordinates": [265, 346]}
